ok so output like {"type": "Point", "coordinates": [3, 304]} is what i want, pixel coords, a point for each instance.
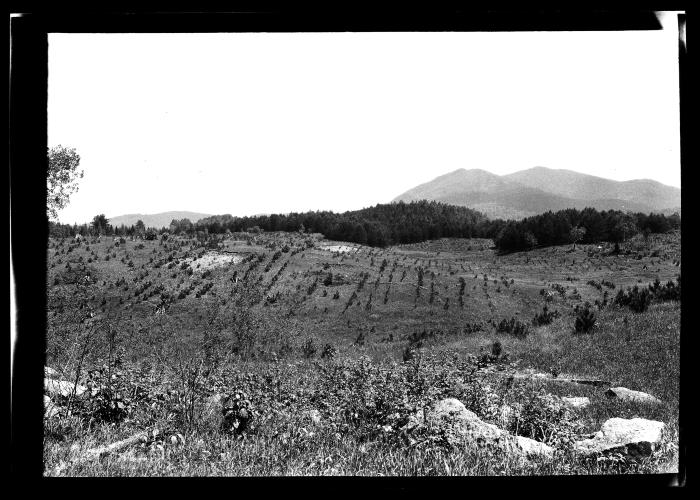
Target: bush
{"type": "Point", "coordinates": [309, 348]}
{"type": "Point", "coordinates": [238, 413]}
{"type": "Point", "coordinates": [545, 317]}
{"type": "Point", "coordinates": [545, 418]}
{"type": "Point", "coordinates": [329, 351]}
{"type": "Point", "coordinates": [513, 327]}
{"type": "Point", "coordinates": [373, 401]}
{"type": "Point", "coordinates": [636, 299]}
{"type": "Point", "coordinates": [585, 319]}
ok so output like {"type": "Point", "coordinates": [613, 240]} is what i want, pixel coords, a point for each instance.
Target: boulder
{"type": "Point", "coordinates": [534, 449]}
{"type": "Point", "coordinates": [577, 402]}
{"type": "Point", "coordinates": [63, 388]}
{"type": "Point", "coordinates": [633, 437]}
{"type": "Point", "coordinates": [461, 427]}
{"type": "Point", "coordinates": [625, 394]}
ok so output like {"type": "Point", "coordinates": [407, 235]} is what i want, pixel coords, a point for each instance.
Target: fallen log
{"type": "Point", "coordinates": [119, 445]}
{"type": "Point", "coordinates": [96, 453]}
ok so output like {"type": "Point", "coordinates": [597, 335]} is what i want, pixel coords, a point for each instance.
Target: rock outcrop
{"type": "Point", "coordinates": [576, 402]}
{"type": "Point", "coordinates": [461, 427]}
{"type": "Point", "coordinates": [634, 437]}
{"type": "Point", "coordinates": [624, 394]}
{"type": "Point", "coordinates": [63, 388]}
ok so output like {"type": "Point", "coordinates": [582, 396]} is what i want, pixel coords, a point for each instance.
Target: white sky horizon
{"type": "Point", "coordinates": [251, 123]}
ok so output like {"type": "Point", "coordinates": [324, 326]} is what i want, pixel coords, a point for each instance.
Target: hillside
{"type": "Point", "coordinates": [155, 220]}
{"type": "Point", "coordinates": [537, 190]}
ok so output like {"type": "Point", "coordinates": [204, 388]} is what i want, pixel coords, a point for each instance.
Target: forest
{"type": "Point", "coordinates": [403, 223]}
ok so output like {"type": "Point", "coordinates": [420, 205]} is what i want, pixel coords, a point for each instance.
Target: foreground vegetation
{"type": "Point", "coordinates": [323, 352]}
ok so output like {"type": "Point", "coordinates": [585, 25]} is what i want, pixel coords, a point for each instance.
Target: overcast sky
{"type": "Point", "coordinates": [263, 123]}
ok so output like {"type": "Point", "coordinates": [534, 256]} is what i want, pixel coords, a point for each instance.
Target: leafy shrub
{"type": "Point", "coordinates": [372, 401]}
{"type": "Point", "coordinates": [238, 413]}
{"type": "Point", "coordinates": [545, 418]}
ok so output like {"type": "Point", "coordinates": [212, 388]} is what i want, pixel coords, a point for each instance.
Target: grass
{"type": "Point", "coordinates": [283, 375]}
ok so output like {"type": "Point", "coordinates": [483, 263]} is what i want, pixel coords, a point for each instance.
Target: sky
{"type": "Point", "coordinates": [250, 123]}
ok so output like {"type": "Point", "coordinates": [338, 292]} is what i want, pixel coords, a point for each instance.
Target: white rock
{"type": "Point", "coordinates": [50, 373]}
{"type": "Point", "coordinates": [534, 449]}
{"type": "Point", "coordinates": [463, 427]}
{"type": "Point", "coordinates": [634, 437]}
{"type": "Point", "coordinates": [62, 387]}
{"type": "Point", "coordinates": [625, 394]}
{"type": "Point", "coordinates": [577, 402]}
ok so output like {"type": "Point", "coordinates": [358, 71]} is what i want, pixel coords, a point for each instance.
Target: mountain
{"type": "Point", "coordinates": [155, 220]}
{"type": "Point", "coordinates": [537, 190]}
{"type": "Point", "coordinates": [588, 187]}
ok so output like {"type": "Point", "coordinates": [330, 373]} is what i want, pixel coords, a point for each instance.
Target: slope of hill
{"type": "Point", "coordinates": [589, 187]}
{"type": "Point", "coordinates": [537, 190]}
{"type": "Point", "coordinates": [156, 220]}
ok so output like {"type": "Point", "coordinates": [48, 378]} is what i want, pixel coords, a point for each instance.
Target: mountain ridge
{"type": "Point", "coordinates": [539, 189]}
{"type": "Point", "coordinates": [158, 220]}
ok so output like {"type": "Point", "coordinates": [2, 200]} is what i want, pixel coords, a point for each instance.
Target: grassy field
{"type": "Point", "coordinates": [298, 324]}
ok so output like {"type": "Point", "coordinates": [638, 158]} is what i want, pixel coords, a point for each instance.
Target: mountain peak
{"type": "Point", "coordinates": [538, 189]}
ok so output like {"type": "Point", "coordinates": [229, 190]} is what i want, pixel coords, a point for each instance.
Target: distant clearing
{"type": "Point", "coordinates": [341, 248]}
{"type": "Point", "coordinates": [213, 260]}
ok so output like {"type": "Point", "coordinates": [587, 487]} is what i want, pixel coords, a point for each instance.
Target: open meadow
{"type": "Point", "coordinates": [289, 354]}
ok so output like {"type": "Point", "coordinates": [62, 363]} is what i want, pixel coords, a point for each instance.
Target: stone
{"type": "Point", "coordinates": [634, 437]}
{"type": "Point", "coordinates": [462, 427]}
{"type": "Point", "coordinates": [625, 394]}
{"type": "Point", "coordinates": [50, 373]}
{"type": "Point", "coordinates": [576, 402]}
{"type": "Point", "coordinates": [62, 388]}
{"type": "Point", "coordinates": [534, 449]}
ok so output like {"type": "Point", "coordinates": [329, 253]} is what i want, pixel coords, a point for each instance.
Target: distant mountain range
{"type": "Point", "coordinates": [539, 189]}
{"type": "Point", "coordinates": [155, 220]}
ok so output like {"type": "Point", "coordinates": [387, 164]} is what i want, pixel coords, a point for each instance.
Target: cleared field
{"type": "Point", "coordinates": [268, 305]}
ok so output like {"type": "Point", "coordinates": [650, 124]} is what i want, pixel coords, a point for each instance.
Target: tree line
{"type": "Point", "coordinates": [585, 226]}
{"type": "Point", "coordinates": [381, 225]}
{"type": "Point", "coordinates": [100, 226]}
{"type": "Point", "coordinates": [414, 222]}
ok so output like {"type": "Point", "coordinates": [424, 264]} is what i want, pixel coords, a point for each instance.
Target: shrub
{"type": "Point", "coordinates": [545, 418]}
{"type": "Point", "coordinates": [373, 401]}
{"type": "Point", "coordinates": [585, 319]}
{"type": "Point", "coordinates": [497, 348]}
{"type": "Point", "coordinates": [545, 317]}
{"type": "Point", "coordinates": [238, 413]}
{"type": "Point", "coordinates": [329, 351]}
{"type": "Point", "coordinates": [636, 299]}
{"type": "Point", "coordinates": [309, 348]}
{"type": "Point", "coordinates": [513, 327]}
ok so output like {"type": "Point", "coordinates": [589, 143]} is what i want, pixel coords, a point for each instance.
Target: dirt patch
{"type": "Point", "coordinates": [340, 248]}
{"type": "Point", "coordinates": [212, 260]}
